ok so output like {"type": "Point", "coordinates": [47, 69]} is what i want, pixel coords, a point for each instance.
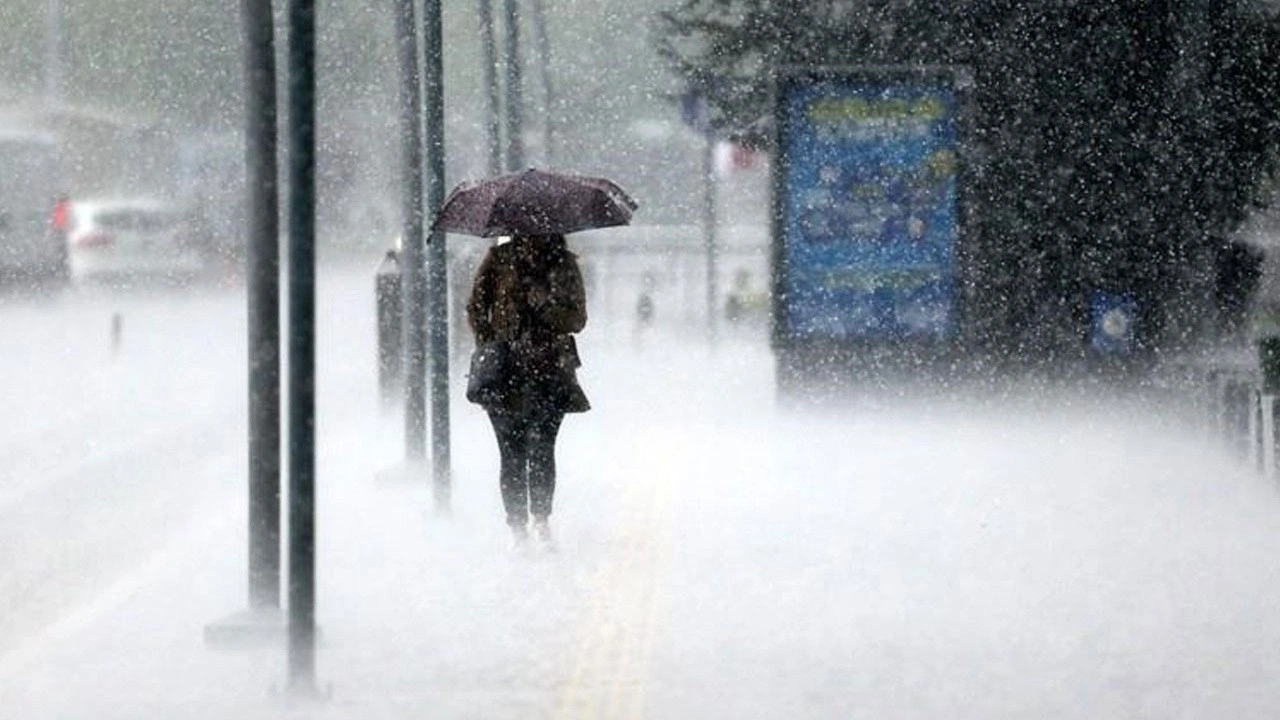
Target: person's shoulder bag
{"type": "Point", "coordinates": [490, 373]}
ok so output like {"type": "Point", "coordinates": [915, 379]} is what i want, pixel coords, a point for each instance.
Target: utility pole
{"type": "Point", "coordinates": [515, 101]}
{"type": "Point", "coordinates": [262, 170]}
{"type": "Point", "coordinates": [709, 234]}
{"type": "Point", "coordinates": [302, 357]}
{"type": "Point", "coordinates": [700, 116]}
{"type": "Point", "coordinates": [413, 285]}
{"type": "Point", "coordinates": [493, 96]}
{"type": "Point", "coordinates": [543, 43]}
{"type": "Point", "coordinates": [53, 42]}
{"type": "Point", "coordinates": [437, 256]}
{"type": "Point", "coordinates": [263, 620]}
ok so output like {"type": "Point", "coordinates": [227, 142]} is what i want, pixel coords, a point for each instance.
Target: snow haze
{"type": "Point", "coordinates": [1063, 535]}
{"type": "Point", "coordinates": [1059, 555]}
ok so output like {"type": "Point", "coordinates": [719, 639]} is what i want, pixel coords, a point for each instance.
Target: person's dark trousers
{"type": "Point", "coordinates": [527, 446]}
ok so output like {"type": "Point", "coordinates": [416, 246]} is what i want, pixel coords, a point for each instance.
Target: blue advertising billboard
{"type": "Point", "coordinates": [868, 208]}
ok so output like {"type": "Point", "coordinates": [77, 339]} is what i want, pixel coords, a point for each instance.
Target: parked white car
{"type": "Point", "coordinates": [135, 239]}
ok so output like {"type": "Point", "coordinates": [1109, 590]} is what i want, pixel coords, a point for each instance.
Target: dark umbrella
{"type": "Point", "coordinates": [534, 202]}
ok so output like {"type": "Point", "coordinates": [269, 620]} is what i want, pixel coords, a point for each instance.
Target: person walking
{"type": "Point", "coordinates": [528, 294]}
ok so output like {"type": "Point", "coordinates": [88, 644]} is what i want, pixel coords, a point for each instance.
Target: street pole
{"type": "Point", "coordinates": [493, 97]}
{"type": "Point", "coordinates": [515, 102]}
{"type": "Point", "coordinates": [709, 232]}
{"type": "Point", "coordinates": [413, 284]}
{"type": "Point", "coordinates": [543, 43]}
{"type": "Point", "coordinates": [437, 255]}
{"type": "Point", "coordinates": [302, 420]}
{"type": "Point", "coordinates": [53, 66]}
{"type": "Point", "coordinates": [263, 272]}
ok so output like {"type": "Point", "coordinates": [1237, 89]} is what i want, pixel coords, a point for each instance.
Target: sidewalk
{"type": "Point", "coordinates": [719, 559]}
{"type": "Point", "coordinates": [417, 611]}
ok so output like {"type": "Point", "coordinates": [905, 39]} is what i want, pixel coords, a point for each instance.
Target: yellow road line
{"type": "Point", "coordinates": [645, 656]}
{"type": "Point", "coordinates": [596, 667]}
{"type": "Point", "coordinates": [611, 666]}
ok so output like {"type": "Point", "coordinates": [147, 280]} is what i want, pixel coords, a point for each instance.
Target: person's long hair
{"type": "Point", "coordinates": [538, 253]}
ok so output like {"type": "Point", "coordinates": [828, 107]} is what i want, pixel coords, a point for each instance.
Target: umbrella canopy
{"type": "Point", "coordinates": [534, 202]}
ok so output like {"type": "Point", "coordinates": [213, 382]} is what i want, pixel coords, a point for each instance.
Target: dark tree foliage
{"type": "Point", "coordinates": [1111, 145]}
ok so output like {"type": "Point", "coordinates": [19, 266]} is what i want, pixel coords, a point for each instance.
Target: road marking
{"type": "Point", "coordinates": [76, 620]}
{"type": "Point", "coordinates": [610, 667]}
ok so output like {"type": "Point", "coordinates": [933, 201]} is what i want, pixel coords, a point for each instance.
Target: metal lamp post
{"type": "Point", "coordinates": [302, 300]}
{"type": "Point", "coordinates": [263, 619]}
{"type": "Point", "coordinates": [413, 284]}
{"type": "Point", "coordinates": [437, 256]}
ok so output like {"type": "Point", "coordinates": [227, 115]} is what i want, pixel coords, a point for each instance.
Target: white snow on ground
{"type": "Point", "coordinates": [719, 557]}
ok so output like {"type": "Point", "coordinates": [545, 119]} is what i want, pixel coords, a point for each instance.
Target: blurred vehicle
{"type": "Point", "coordinates": [142, 239]}
{"type": "Point", "coordinates": [30, 247]}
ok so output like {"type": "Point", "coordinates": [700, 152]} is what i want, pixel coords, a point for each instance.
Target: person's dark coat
{"type": "Point", "coordinates": [529, 293]}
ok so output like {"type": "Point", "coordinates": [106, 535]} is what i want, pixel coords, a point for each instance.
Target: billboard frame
{"type": "Point", "coordinates": [805, 355]}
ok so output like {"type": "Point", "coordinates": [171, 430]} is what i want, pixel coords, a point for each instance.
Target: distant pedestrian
{"type": "Point", "coordinates": [645, 308]}
{"type": "Point", "coordinates": [528, 295]}
{"type": "Point", "coordinates": [1237, 272]}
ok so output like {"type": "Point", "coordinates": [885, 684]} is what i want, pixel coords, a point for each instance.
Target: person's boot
{"type": "Point", "coordinates": [542, 533]}
{"type": "Point", "coordinates": [519, 536]}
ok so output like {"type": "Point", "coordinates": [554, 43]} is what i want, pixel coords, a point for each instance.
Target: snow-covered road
{"type": "Point", "coordinates": [109, 447]}
{"type": "Point", "coordinates": [1058, 557]}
